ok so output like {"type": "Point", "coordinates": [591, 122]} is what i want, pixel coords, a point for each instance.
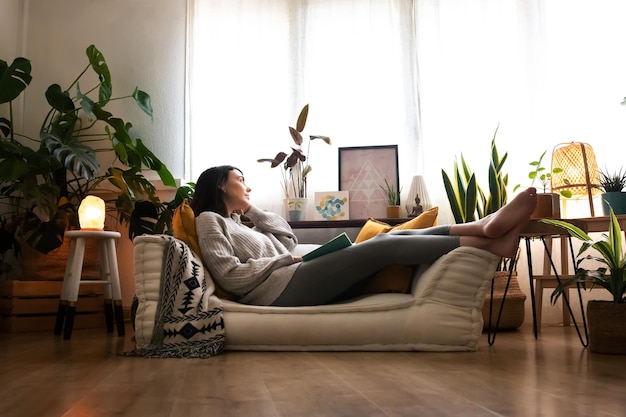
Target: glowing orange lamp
{"type": "Point", "coordinates": [91, 213]}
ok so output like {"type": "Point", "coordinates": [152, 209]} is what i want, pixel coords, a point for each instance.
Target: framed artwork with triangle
{"type": "Point", "coordinates": [362, 172]}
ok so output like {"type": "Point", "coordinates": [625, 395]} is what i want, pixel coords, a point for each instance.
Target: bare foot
{"type": "Point", "coordinates": [504, 246]}
{"type": "Point", "coordinates": [514, 214]}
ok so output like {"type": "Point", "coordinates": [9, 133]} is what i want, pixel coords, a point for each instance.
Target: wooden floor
{"type": "Point", "coordinates": [42, 375]}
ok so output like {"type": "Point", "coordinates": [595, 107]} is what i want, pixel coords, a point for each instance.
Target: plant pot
{"type": "Point", "coordinates": [296, 209]}
{"type": "Point", "coordinates": [617, 200]}
{"type": "Point", "coordinates": [394, 212]}
{"type": "Point", "coordinates": [548, 206]}
{"type": "Point", "coordinates": [607, 326]}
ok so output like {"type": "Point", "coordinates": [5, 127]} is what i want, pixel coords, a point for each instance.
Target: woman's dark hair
{"type": "Point", "coordinates": [208, 195]}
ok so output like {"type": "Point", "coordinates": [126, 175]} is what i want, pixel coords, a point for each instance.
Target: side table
{"type": "Point", "coordinates": [71, 281]}
{"type": "Point", "coordinates": [545, 232]}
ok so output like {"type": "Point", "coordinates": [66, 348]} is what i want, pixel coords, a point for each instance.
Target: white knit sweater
{"type": "Point", "coordinates": [255, 263]}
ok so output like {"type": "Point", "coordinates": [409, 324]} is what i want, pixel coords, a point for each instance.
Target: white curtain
{"type": "Point", "coordinates": [546, 72]}
{"type": "Point", "coordinates": [435, 77]}
{"type": "Point", "coordinates": [255, 63]}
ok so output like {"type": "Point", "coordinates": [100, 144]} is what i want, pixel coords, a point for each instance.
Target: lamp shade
{"type": "Point", "coordinates": [91, 213]}
{"type": "Point", "coordinates": [418, 200]}
{"type": "Point", "coordinates": [580, 174]}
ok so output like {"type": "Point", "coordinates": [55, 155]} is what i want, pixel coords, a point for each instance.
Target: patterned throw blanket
{"type": "Point", "coordinates": [188, 321]}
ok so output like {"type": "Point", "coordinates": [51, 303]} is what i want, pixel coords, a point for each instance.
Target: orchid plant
{"type": "Point", "coordinates": [296, 165]}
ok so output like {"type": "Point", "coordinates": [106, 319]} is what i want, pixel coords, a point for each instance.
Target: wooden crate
{"type": "Point", "coordinates": [27, 306]}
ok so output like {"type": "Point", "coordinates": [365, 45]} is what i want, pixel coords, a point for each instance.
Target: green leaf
{"type": "Point", "coordinates": [304, 113]}
{"type": "Point", "coordinates": [143, 101]}
{"type": "Point", "coordinates": [86, 103]}
{"type": "Point", "coordinates": [150, 160]}
{"type": "Point", "coordinates": [72, 154]}
{"type": "Point", "coordinates": [99, 65]}
{"type": "Point", "coordinates": [14, 78]}
{"type": "Point", "coordinates": [574, 231]}
{"type": "Point", "coordinates": [59, 100]}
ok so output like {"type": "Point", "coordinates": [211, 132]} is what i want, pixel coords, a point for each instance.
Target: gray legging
{"type": "Point", "coordinates": [327, 278]}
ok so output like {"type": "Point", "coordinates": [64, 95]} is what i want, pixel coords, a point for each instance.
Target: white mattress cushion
{"type": "Point", "coordinates": [442, 313]}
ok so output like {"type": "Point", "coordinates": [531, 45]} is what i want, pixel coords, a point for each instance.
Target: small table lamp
{"type": "Point", "coordinates": [91, 213]}
{"type": "Point", "coordinates": [580, 173]}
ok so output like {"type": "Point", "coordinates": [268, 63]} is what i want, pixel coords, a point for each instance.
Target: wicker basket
{"type": "Point", "coordinates": [513, 312]}
{"type": "Point", "coordinates": [607, 327]}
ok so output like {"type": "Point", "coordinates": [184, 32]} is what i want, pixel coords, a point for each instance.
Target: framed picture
{"type": "Point", "coordinates": [362, 170]}
{"type": "Point", "coordinates": [332, 205]}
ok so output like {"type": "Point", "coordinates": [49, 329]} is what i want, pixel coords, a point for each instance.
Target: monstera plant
{"type": "Point", "coordinates": [43, 180]}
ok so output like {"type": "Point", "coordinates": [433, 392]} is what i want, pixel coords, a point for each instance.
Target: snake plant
{"type": "Point", "coordinates": [467, 199]}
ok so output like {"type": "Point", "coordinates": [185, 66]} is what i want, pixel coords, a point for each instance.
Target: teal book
{"type": "Point", "coordinates": [340, 242]}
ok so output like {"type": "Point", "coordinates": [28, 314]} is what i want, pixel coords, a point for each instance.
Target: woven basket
{"type": "Point", "coordinates": [607, 327]}
{"type": "Point", "coordinates": [513, 312]}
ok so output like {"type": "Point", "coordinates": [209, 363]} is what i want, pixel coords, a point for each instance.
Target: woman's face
{"type": "Point", "coordinates": [236, 192]}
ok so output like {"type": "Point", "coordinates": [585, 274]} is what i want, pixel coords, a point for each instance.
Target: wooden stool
{"type": "Point", "coordinates": [71, 281]}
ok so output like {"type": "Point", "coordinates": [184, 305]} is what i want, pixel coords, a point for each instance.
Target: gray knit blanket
{"type": "Point", "coordinates": [189, 320]}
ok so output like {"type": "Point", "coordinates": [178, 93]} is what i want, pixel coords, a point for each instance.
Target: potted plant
{"type": "Point", "coordinates": [548, 203]}
{"type": "Point", "coordinates": [606, 319]}
{"type": "Point", "coordinates": [44, 183]}
{"type": "Point", "coordinates": [394, 209]}
{"type": "Point", "coordinates": [612, 186]}
{"type": "Point", "coordinates": [296, 165]}
{"type": "Point", "coordinates": [469, 202]}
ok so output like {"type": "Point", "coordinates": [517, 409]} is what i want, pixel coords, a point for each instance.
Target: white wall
{"type": "Point", "coordinates": [143, 42]}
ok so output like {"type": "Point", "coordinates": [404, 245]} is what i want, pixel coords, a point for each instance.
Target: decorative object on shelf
{"type": "Point", "coordinates": [297, 165]}
{"type": "Point", "coordinates": [606, 319]}
{"type": "Point", "coordinates": [296, 208]}
{"type": "Point", "coordinates": [91, 213]}
{"type": "Point", "coordinates": [548, 203]}
{"type": "Point", "coordinates": [332, 205]}
{"type": "Point", "coordinates": [579, 173]}
{"type": "Point", "coordinates": [394, 210]}
{"type": "Point", "coordinates": [361, 170]}
{"type": "Point", "coordinates": [612, 186]}
{"type": "Point", "coordinates": [417, 199]}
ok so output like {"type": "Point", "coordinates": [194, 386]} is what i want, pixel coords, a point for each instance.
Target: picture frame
{"type": "Point", "coordinates": [331, 205]}
{"type": "Point", "coordinates": [362, 171]}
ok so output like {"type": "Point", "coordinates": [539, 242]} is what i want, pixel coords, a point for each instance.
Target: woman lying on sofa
{"type": "Point", "coordinates": [256, 265]}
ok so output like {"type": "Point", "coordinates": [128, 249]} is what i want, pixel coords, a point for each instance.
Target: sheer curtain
{"type": "Point", "coordinates": [435, 77]}
{"type": "Point", "coordinates": [255, 63]}
{"type": "Point", "coordinates": [546, 72]}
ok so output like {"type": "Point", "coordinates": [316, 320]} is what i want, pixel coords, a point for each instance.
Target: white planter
{"type": "Point", "coordinates": [295, 209]}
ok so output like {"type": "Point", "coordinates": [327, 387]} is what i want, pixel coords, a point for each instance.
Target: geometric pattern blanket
{"type": "Point", "coordinates": [189, 319]}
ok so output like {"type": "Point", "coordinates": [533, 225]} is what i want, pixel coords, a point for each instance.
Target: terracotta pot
{"type": "Point", "coordinates": [548, 206]}
{"type": "Point", "coordinates": [607, 326]}
{"type": "Point", "coordinates": [394, 212]}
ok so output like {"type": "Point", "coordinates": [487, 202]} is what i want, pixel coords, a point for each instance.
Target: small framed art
{"type": "Point", "coordinates": [362, 170]}
{"type": "Point", "coordinates": [332, 205]}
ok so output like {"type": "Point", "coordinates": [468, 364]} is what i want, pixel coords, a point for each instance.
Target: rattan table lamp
{"type": "Point", "coordinates": [580, 173]}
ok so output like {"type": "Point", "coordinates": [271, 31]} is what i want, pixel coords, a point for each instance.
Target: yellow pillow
{"type": "Point", "coordinates": [184, 225]}
{"type": "Point", "coordinates": [393, 278]}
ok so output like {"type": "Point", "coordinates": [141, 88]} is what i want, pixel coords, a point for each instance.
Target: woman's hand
{"type": "Point", "coordinates": [297, 259]}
